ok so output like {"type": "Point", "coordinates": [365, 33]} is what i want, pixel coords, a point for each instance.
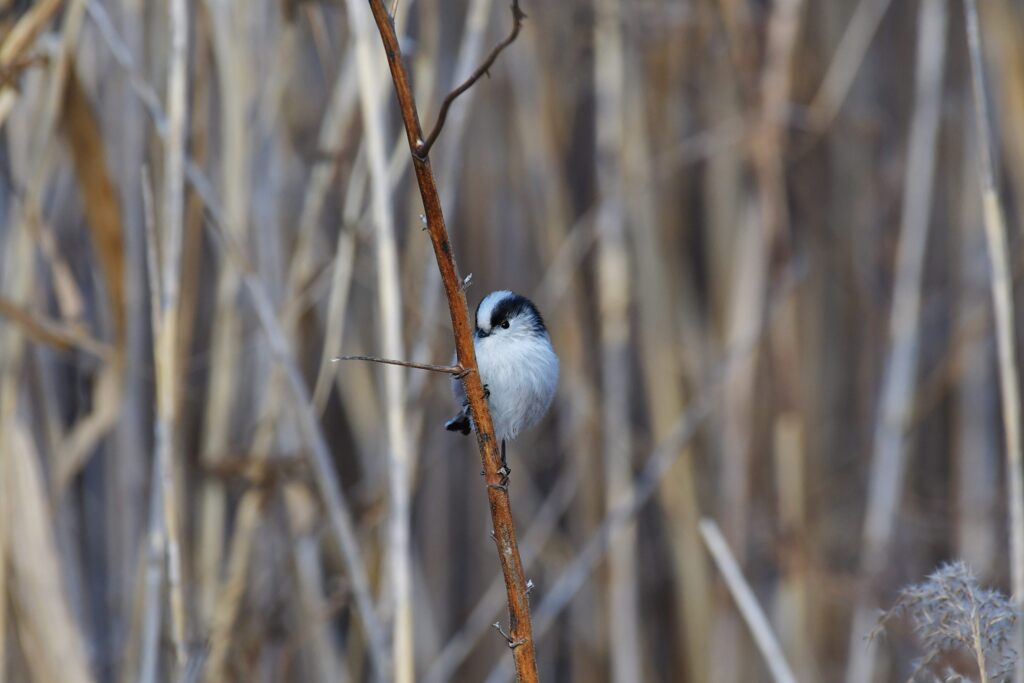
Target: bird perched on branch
{"type": "Point", "coordinates": [517, 365]}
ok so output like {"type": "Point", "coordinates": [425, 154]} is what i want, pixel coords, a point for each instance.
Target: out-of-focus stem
{"type": "Point", "coordinates": [1002, 297]}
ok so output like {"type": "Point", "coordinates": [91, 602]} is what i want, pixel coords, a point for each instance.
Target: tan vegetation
{"type": "Point", "coordinates": [775, 251]}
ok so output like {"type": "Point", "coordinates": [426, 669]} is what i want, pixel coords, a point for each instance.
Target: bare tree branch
{"type": "Point", "coordinates": [423, 149]}
{"type": "Point", "coordinates": [520, 629]}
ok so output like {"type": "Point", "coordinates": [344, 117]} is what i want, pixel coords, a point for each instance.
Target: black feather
{"type": "Point", "coordinates": [459, 423]}
{"type": "Point", "coordinates": [511, 307]}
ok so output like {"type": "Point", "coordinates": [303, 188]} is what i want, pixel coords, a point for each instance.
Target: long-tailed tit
{"type": "Point", "coordinates": [517, 365]}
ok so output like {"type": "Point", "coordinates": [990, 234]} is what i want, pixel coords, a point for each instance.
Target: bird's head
{"type": "Point", "coordinates": [505, 314]}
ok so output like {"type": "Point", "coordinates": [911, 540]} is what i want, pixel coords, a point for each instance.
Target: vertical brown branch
{"type": "Point", "coordinates": [520, 630]}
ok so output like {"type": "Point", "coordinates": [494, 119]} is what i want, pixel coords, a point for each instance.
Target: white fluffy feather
{"type": "Point", "coordinates": [517, 364]}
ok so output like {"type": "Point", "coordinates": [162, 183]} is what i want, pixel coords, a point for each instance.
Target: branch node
{"type": "Point", "coordinates": [512, 644]}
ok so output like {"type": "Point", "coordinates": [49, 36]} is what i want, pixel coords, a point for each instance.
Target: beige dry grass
{"type": "Point", "coordinates": [756, 232]}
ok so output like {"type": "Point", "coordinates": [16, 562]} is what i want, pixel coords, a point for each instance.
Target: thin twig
{"type": "Point", "coordinates": [520, 628]}
{"type": "Point", "coordinates": [1002, 296]}
{"type": "Point", "coordinates": [53, 332]}
{"type": "Point", "coordinates": [423, 149]}
{"type": "Point", "coordinates": [456, 370]}
{"type": "Point", "coordinates": [746, 602]}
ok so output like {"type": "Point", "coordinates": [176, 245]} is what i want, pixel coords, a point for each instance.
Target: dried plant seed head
{"type": "Point", "coordinates": [955, 619]}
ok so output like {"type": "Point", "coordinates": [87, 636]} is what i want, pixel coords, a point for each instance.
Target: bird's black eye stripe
{"type": "Point", "coordinates": [513, 306]}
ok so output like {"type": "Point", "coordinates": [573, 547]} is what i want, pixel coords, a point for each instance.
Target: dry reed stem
{"type": "Point", "coordinates": [1002, 297]}
{"type": "Point", "coordinates": [81, 129]}
{"type": "Point", "coordinates": [969, 373]}
{"type": "Point", "coordinates": [889, 454]}
{"type": "Point", "coordinates": [847, 60]}
{"type": "Point", "coordinates": [70, 300]}
{"type": "Point", "coordinates": [746, 602]}
{"type": "Point", "coordinates": [43, 621]}
{"type": "Point", "coordinates": [232, 590]}
{"type": "Point", "coordinates": [16, 449]}
{"type": "Point", "coordinates": [341, 280]}
{"type": "Point", "coordinates": [340, 110]}
{"type": "Point", "coordinates": [513, 199]}
{"type": "Point", "coordinates": [17, 41]}
{"type": "Point", "coordinates": [659, 336]}
{"type": "Point", "coordinates": [372, 90]}
{"type": "Point", "coordinates": [784, 352]}
{"type": "Point", "coordinates": [319, 454]}
{"type": "Point", "coordinates": [520, 630]}
{"type": "Point", "coordinates": [5, 498]}
{"type": "Point", "coordinates": [156, 556]}
{"type": "Point", "coordinates": [165, 336]}
{"type": "Point", "coordinates": [86, 433]}
{"type": "Point", "coordinates": [232, 68]}
{"type": "Point", "coordinates": [614, 291]}
{"type": "Point", "coordinates": [317, 608]}
{"type": "Point", "coordinates": [17, 250]}
{"type": "Point", "coordinates": [52, 332]}
{"type": "Point", "coordinates": [337, 305]}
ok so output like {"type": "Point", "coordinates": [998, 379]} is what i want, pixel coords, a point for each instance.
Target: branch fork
{"type": "Point", "coordinates": [422, 147]}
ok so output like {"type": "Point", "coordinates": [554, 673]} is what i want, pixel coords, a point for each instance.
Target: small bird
{"type": "Point", "coordinates": [517, 365]}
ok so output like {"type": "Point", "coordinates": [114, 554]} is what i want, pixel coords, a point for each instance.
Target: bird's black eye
{"type": "Point", "coordinates": [504, 324]}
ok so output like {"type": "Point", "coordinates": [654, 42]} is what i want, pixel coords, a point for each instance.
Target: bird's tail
{"type": "Point", "coordinates": [459, 423]}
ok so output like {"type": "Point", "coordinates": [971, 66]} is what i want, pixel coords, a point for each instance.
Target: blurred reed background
{"type": "Point", "coordinates": [755, 231]}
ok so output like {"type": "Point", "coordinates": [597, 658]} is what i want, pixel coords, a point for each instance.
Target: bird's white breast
{"type": "Point", "coordinates": [521, 374]}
